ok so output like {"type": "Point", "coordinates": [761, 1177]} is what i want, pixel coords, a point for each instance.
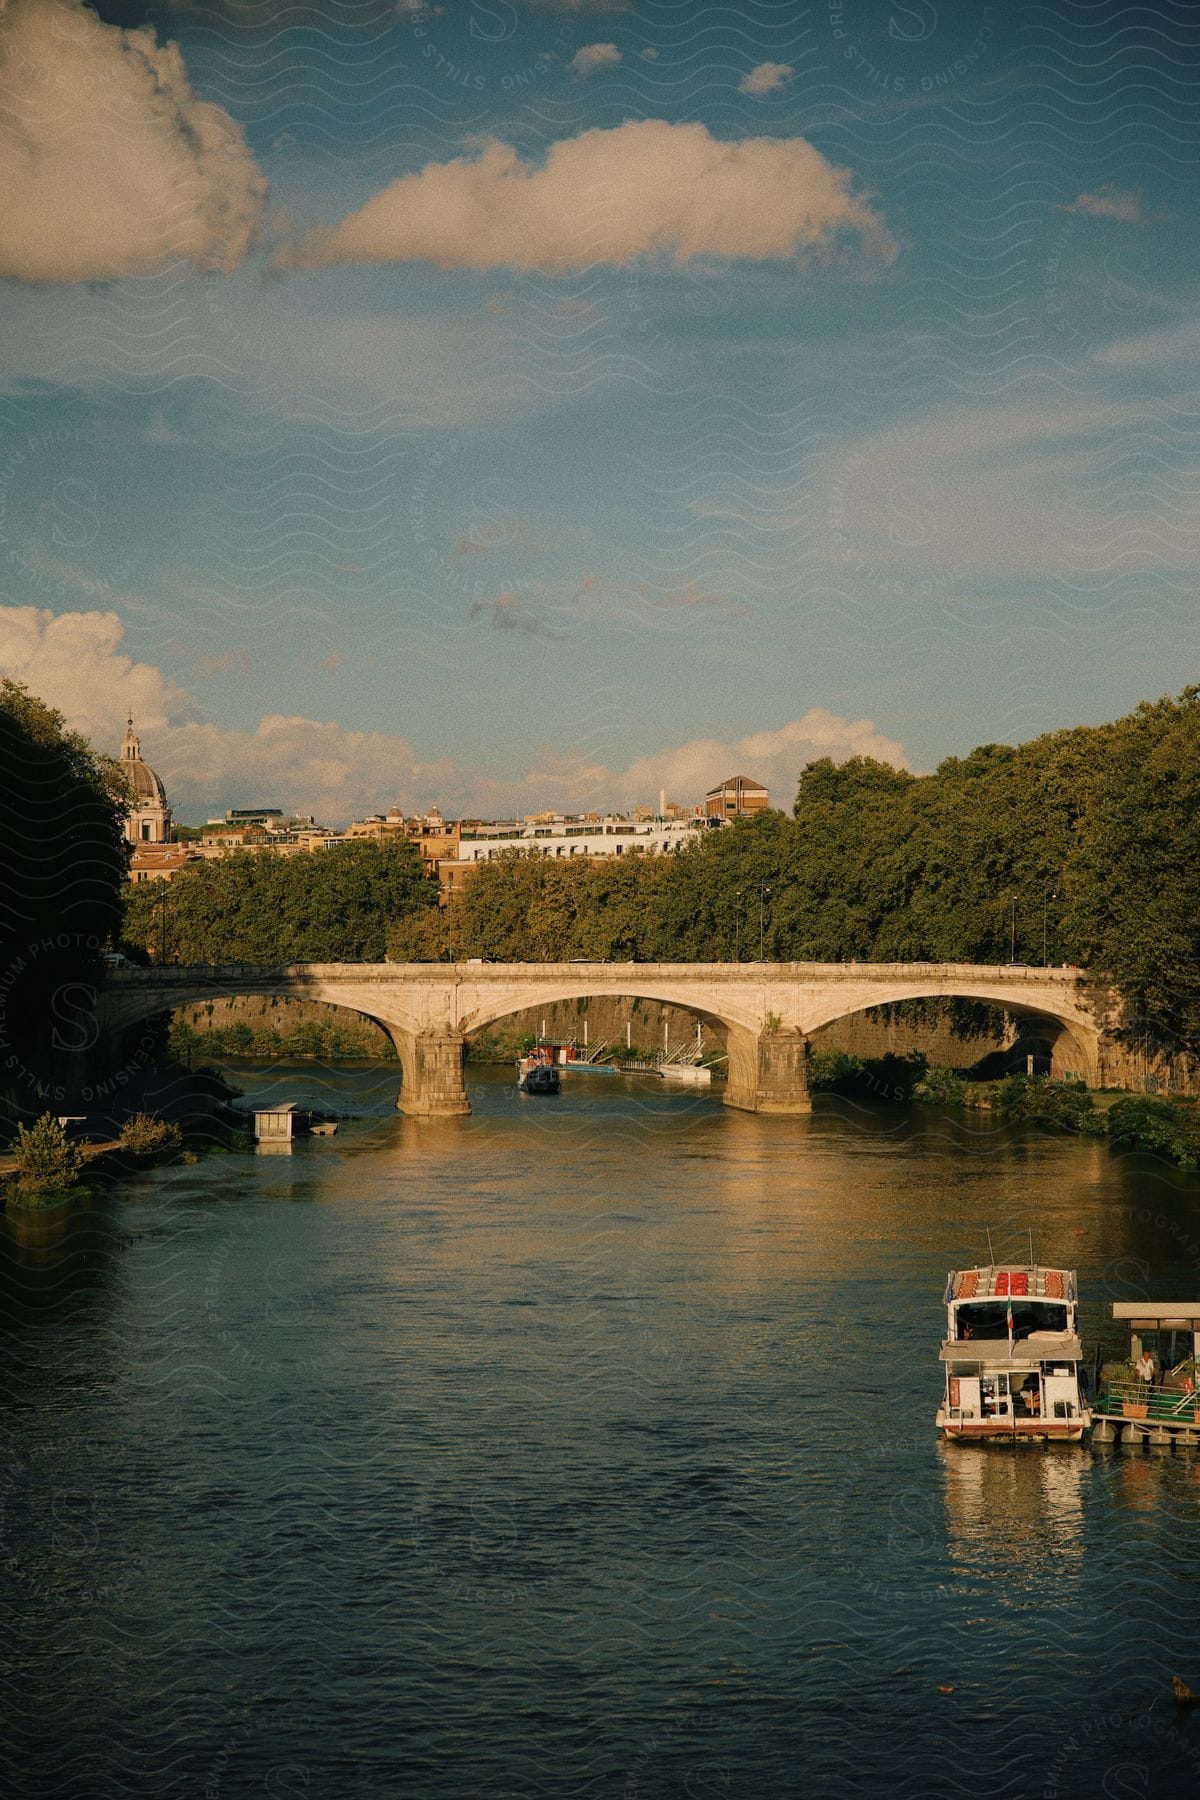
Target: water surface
{"type": "Point", "coordinates": [581, 1447]}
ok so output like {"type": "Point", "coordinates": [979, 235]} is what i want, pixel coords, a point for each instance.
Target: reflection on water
{"type": "Point", "coordinates": [1015, 1507]}
{"type": "Point", "coordinates": [578, 1447]}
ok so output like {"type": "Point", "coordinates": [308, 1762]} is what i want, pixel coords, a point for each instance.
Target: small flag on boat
{"type": "Point", "coordinates": [1009, 1319]}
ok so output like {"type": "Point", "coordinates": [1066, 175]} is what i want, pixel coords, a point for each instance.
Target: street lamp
{"type": "Point", "coordinates": [1012, 942]}
{"type": "Point", "coordinates": [162, 919]}
{"type": "Point", "coordinates": [764, 894]}
{"type": "Point", "coordinates": [737, 925]}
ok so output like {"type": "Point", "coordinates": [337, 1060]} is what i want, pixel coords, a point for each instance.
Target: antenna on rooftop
{"type": "Point", "coordinates": [991, 1253]}
{"type": "Point", "coordinates": [1032, 1264]}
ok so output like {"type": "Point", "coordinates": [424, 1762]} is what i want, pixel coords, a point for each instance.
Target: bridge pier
{"type": "Point", "coordinates": [768, 1071]}
{"type": "Point", "coordinates": [431, 1063]}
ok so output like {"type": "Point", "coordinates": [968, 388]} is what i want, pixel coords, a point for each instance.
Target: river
{"type": "Point", "coordinates": [581, 1447]}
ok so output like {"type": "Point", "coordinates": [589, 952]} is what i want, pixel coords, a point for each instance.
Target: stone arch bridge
{"type": "Point", "coordinates": [768, 1010]}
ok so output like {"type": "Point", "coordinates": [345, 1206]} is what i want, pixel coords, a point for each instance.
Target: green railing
{"type": "Point", "coordinates": [1165, 1404]}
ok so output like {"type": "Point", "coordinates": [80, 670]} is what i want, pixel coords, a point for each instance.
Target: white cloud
{"type": "Point", "coordinates": [766, 78]}
{"type": "Point", "coordinates": [75, 663]}
{"type": "Point", "coordinates": [1121, 204]}
{"type": "Point", "coordinates": [112, 164]}
{"type": "Point", "coordinates": [775, 758]}
{"type": "Point", "coordinates": [645, 188]}
{"type": "Point", "coordinates": [595, 56]}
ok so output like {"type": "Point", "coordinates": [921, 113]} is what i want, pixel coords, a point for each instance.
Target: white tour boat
{"type": "Point", "coordinates": [1012, 1355]}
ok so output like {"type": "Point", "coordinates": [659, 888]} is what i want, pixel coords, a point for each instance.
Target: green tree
{"type": "Point", "coordinates": [334, 905]}
{"type": "Point", "coordinates": [1135, 909]}
{"type": "Point", "coordinates": [64, 859]}
{"type": "Point", "coordinates": [1079, 846]}
{"type": "Point", "coordinates": [46, 1158]}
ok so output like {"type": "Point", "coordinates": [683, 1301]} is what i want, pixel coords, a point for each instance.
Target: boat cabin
{"type": "Point", "coordinates": [1011, 1354]}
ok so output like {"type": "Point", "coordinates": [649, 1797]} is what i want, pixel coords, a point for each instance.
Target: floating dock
{"type": "Point", "coordinates": [1165, 1412]}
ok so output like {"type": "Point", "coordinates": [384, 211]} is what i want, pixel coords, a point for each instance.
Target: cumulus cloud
{"type": "Point", "coordinates": [766, 78]}
{"type": "Point", "coordinates": [1110, 202]}
{"type": "Point", "coordinates": [75, 662]}
{"type": "Point", "coordinates": [112, 164]}
{"type": "Point", "coordinates": [595, 56]}
{"type": "Point", "coordinates": [645, 188]}
{"type": "Point", "coordinates": [773, 757]}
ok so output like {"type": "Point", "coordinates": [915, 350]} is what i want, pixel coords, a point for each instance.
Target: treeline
{"type": "Point", "coordinates": [63, 859]}
{"type": "Point", "coordinates": [1081, 846]}
{"type": "Point", "coordinates": [334, 905]}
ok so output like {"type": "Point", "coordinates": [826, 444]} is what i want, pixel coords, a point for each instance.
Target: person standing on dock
{"type": "Point", "coordinates": [1143, 1368]}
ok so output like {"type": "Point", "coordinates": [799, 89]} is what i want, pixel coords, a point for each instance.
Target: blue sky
{"type": "Point", "coordinates": [581, 522]}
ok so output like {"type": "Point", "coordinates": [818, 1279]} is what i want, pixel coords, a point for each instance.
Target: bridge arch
{"type": "Point", "coordinates": [126, 1006]}
{"type": "Point", "coordinates": [1077, 1050]}
{"type": "Point", "coordinates": [740, 1023]}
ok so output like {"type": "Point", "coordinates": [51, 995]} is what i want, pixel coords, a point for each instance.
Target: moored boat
{"type": "Point", "coordinates": [535, 1075]}
{"type": "Point", "coordinates": [1012, 1355]}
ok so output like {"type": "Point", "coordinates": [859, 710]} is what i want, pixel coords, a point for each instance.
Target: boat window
{"type": "Point", "coordinates": [989, 1318]}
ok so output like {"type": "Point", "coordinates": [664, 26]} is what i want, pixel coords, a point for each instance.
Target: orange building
{"type": "Point", "coordinates": [158, 862]}
{"type": "Point", "coordinates": [736, 796]}
{"type": "Point", "coordinates": [435, 838]}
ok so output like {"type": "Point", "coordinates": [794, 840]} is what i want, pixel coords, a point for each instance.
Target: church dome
{"type": "Point", "coordinates": [146, 787]}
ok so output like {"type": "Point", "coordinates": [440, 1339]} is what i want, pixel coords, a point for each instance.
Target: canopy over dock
{"type": "Point", "coordinates": [1159, 1315]}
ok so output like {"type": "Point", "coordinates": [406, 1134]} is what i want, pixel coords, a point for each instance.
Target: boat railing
{"type": "Point", "coordinates": [1163, 1402]}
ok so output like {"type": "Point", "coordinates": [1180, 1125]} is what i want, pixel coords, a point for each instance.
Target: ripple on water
{"type": "Point", "coordinates": [579, 1454]}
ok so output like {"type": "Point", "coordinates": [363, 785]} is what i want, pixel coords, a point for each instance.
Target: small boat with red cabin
{"type": "Point", "coordinates": [1012, 1355]}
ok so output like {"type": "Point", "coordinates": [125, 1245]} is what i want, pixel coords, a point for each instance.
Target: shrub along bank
{"type": "Point", "coordinates": [1168, 1128]}
{"type": "Point", "coordinates": [326, 1039]}
{"type": "Point", "coordinates": [49, 1168]}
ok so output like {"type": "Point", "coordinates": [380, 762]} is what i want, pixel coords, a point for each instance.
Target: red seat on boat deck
{"type": "Point", "coordinates": [970, 1282]}
{"type": "Point", "coordinates": [1020, 1282]}
{"type": "Point", "coordinates": [1002, 1282]}
{"type": "Point", "coordinates": [1054, 1286]}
